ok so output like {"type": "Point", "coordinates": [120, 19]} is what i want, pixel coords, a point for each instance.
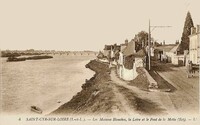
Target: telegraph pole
{"type": "Point", "coordinates": [149, 40]}
{"type": "Point", "coordinates": [149, 46]}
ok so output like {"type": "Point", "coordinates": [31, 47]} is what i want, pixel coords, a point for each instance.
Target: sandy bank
{"type": "Point", "coordinates": [94, 95]}
{"type": "Point", "coordinates": [75, 82]}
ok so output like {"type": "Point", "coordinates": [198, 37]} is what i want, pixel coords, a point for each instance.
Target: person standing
{"type": "Point", "coordinates": [189, 68]}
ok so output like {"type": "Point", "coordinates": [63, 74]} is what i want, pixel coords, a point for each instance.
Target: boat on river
{"type": "Point", "coordinates": [36, 109]}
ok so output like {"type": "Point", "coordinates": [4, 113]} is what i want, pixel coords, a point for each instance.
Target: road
{"type": "Point", "coordinates": [160, 99]}
{"type": "Point", "coordinates": [185, 99]}
{"type": "Point", "coordinates": [182, 101]}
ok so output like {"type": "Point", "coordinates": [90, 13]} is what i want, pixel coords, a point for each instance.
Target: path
{"type": "Point", "coordinates": [160, 98]}
{"type": "Point", "coordinates": [124, 106]}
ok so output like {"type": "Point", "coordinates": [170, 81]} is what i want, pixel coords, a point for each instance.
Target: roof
{"type": "Point", "coordinates": [194, 34]}
{"type": "Point", "coordinates": [117, 51]}
{"type": "Point", "coordinates": [108, 47]}
{"type": "Point", "coordinates": [130, 49]}
{"type": "Point", "coordinates": [100, 55]}
{"type": "Point", "coordinates": [166, 48]}
{"type": "Point", "coordinates": [128, 63]}
{"type": "Point", "coordinates": [175, 48]}
{"type": "Point", "coordinates": [116, 48]}
{"type": "Point", "coordinates": [122, 47]}
{"type": "Point", "coordinates": [122, 44]}
{"type": "Point", "coordinates": [140, 53]}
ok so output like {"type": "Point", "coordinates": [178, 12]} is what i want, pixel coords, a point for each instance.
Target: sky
{"type": "Point", "coordinates": [89, 24]}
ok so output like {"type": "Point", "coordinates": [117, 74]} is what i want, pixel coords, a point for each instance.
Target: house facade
{"type": "Point", "coordinates": [171, 54]}
{"type": "Point", "coordinates": [174, 57]}
{"type": "Point", "coordinates": [163, 53]}
{"type": "Point", "coordinates": [129, 60]}
{"type": "Point", "coordinates": [124, 72]}
{"type": "Point", "coordinates": [194, 47]}
{"type": "Point", "coordinates": [107, 50]}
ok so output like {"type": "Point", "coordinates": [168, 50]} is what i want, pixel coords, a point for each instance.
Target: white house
{"type": "Point", "coordinates": [123, 72]}
{"type": "Point", "coordinates": [194, 47]}
{"type": "Point", "coordinates": [129, 60]}
{"type": "Point", "coordinates": [163, 52]}
{"type": "Point", "coordinates": [173, 55]}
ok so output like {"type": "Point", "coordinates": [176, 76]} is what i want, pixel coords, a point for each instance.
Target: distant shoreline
{"type": "Point", "coordinates": [17, 53]}
{"type": "Point", "coordinates": [15, 59]}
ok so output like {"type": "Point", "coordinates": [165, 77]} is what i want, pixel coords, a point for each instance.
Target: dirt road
{"type": "Point", "coordinates": [160, 99]}
{"type": "Point", "coordinates": [186, 98]}
{"type": "Point", "coordinates": [182, 101]}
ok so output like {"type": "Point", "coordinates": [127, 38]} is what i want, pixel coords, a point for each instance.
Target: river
{"type": "Point", "coordinates": [46, 83]}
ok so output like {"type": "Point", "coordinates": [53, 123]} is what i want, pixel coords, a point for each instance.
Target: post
{"type": "Point", "coordinates": [149, 40]}
{"type": "Point", "coordinates": [149, 46]}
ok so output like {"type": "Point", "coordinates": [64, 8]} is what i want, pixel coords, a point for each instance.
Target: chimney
{"type": "Point", "coordinates": [126, 42]}
{"type": "Point", "coordinates": [193, 30]}
{"type": "Point", "coordinates": [198, 28]}
{"type": "Point", "coordinates": [115, 46]}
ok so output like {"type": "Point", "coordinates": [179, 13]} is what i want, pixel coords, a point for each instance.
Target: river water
{"type": "Point", "coordinates": [46, 83]}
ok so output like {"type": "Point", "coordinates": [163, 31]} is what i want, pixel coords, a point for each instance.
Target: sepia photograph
{"type": "Point", "coordinates": [99, 62]}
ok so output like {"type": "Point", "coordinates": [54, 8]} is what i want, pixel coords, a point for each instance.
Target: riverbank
{"type": "Point", "coordinates": [96, 95]}
{"type": "Point", "coordinates": [76, 81]}
{"type": "Point", "coordinates": [105, 94]}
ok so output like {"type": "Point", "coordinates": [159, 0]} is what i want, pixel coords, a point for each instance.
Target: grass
{"type": "Point", "coordinates": [140, 81]}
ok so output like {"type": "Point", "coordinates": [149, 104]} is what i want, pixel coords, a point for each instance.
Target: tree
{"type": "Point", "coordinates": [186, 32]}
{"type": "Point", "coordinates": [141, 39]}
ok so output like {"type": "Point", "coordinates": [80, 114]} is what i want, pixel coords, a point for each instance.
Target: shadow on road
{"type": "Point", "coordinates": [162, 83]}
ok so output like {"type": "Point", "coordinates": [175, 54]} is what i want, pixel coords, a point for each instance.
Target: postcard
{"type": "Point", "coordinates": [99, 62]}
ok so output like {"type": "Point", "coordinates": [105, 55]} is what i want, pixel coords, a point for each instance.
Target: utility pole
{"type": "Point", "coordinates": [149, 46]}
{"type": "Point", "coordinates": [149, 41]}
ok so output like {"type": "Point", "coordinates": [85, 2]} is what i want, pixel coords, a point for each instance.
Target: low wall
{"type": "Point", "coordinates": [103, 60]}
{"type": "Point", "coordinates": [177, 59]}
{"type": "Point", "coordinates": [126, 74]}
